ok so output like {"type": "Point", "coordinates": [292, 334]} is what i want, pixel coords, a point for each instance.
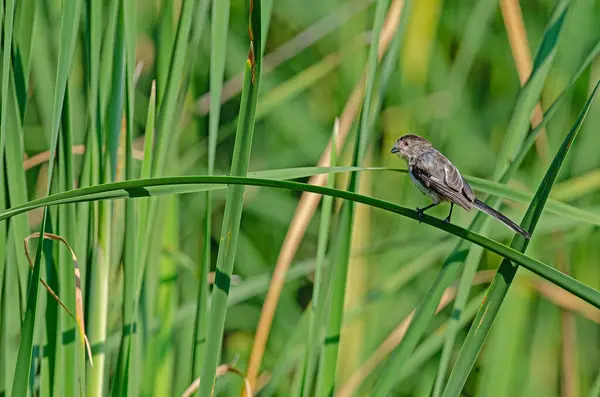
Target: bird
{"type": "Point", "coordinates": [437, 178]}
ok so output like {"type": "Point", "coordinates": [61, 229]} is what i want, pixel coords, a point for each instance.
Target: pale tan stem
{"type": "Point", "coordinates": [519, 45]}
{"type": "Point", "coordinates": [42, 157]}
{"type": "Point", "coordinates": [221, 370]}
{"type": "Point", "coordinates": [308, 204]}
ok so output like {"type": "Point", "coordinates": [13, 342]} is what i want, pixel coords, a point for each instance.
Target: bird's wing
{"type": "Point", "coordinates": [467, 191]}
{"type": "Point", "coordinates": [455, 180]}
{"type": "Point", "coordinates": [439, 174]}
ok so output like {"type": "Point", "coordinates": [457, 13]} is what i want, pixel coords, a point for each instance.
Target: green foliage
{"type": "Point", "coordinates": [156, 140]}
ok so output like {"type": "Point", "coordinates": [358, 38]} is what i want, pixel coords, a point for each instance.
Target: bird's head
{"type": "Point", "coordinates": [410, 145]}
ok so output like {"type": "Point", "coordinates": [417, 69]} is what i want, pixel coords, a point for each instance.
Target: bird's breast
{"type": "Point", "coordinates": [422, 188]}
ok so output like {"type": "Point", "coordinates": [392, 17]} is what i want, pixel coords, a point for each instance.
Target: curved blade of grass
{"type": "Point", "coordinates": [78, 317]}
{"type": "Point", "coordinates": [145, 188]}
{"type": "Point", "coordinates": [68, 34]}
{"type": "Point", "coordinates": [234, 203]}
{"type": "Point", "coordinates": [190, 185]}
{"type": "Point", "coordinates": [507, 271]}
{"type": "Point", "coordinates": [219, 29]}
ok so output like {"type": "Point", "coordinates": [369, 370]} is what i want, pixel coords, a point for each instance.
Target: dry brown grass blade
{"type": "Point", "coordinates": [221, 370]}
{"type": "Point", "coordinates": [309, 202]}
{"type": "Point", "coordinates": [517, 37]}
{"type": "Point", "coordinates": [569, 362]}
{"type": "Point", "coordinates": [42, 157]}
{"type": "Point", "coordinates": [79, 318]}
{"type": "Point", "coordinates": [565, 300]}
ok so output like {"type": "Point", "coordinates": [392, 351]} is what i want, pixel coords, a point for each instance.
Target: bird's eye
{"type": "Point", "coordinates": [405, 143]}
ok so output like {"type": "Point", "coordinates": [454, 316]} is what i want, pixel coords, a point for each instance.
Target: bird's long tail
{"type": "Point", "coordinates": [492, 212]}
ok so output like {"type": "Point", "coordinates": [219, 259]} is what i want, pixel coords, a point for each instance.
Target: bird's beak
{"type": "Point", "coordinates": [395, 150]}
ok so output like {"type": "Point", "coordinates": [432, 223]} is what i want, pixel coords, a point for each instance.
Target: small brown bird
{"type": "Point", "coordinates": [437, 178]}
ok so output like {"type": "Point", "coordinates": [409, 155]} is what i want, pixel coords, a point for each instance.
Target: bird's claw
{"type": "Point", "coordinates": [447, 219]}
{"type": "Point", "coordinates": [420, 213]}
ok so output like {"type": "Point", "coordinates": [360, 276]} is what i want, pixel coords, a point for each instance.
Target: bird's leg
{"type": "Point", "coordinates": [420, 211]}
{"type": "Point", "coordinates": [447, 220]}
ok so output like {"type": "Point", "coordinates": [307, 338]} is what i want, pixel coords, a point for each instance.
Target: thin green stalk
{"type": "Point", "coordinates": [507, 271]}
{"type": "Point", "coordinates": [434, 342]}
{"type": "Point", "coordinates": [17, 232]}
{"type": "Point", "coordinates": [166, 42]}
{"type": "Point", "coordinates": [321, 282]}
{"type": "Point", "coordinates": [8, 31]}
{"type": "Point", "coordinates": [219, 29]}
{"type": "Point", "coordinates": [12, 150]}
{"type": "Point", "coordinates": [100, 272]}
{"type": "Point", "coordinates": [343, 236]}
{"type": "Point", "coordinates": [123, 386]}
{"type": "Point", "coordinates": [166, 136]}
{"type": "Point", "coordinates": [234, 203]}
{"type": "Point", "coordinates": [66, 229]}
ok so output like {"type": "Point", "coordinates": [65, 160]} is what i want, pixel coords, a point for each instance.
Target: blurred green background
{"type": "Point", "coordinates": [455, 83]}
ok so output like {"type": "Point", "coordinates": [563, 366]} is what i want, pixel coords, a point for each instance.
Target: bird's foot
{"type": "Point", "coordinates": [420, 213]}
{"type": "Point", "coordinates": [447, 219]}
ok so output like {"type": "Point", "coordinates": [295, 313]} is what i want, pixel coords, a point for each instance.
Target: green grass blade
{"type": "Point", "coordinates": [15, 176]}
{"type": "Point", "coordinates": [321, 282]}
{"type": "Point", "coordinates": [122, 385]}
{"type": "Point", "coordinates": [6, 52]}
{"type": "Point", "coordinates": [234, 203]}
{"type": "Point", "coordinates": [168, 113]}
{"type": "Point", "coordinates": [219, 29]}
{"type": "Point", "coordinates": [180, 185]}
{"type": "Point", "coordinates": [109, 25]}
{"type": "Point", "coordinates": [66, 229]}
{"type": "Point", "coordinates": [434, 342]}
{"type": "Point", "coordinates": [343, 235]}
{"type": "Point", "coordinates": [166, 39]}
{"type": "Point", "coordinates": [507, 271]}
{"type": "Point", "coordinates": [99, 274]}
{"type": "Point", "coordinates": [68, 34]}
{"type": "Point", "coordinates": [167, 104]}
